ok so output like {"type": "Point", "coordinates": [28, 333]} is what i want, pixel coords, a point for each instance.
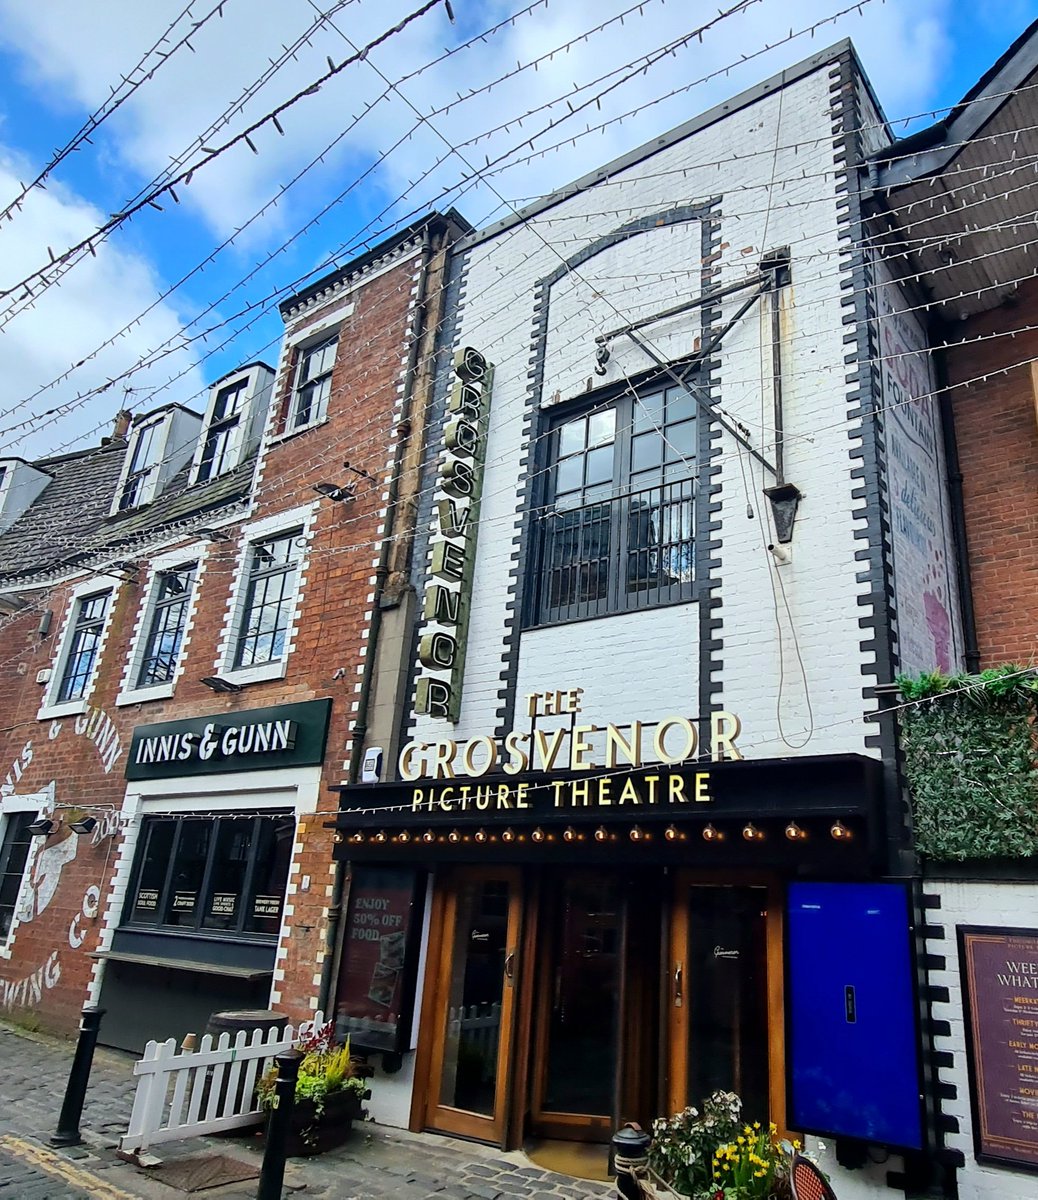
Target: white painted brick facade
{"type": "Point", "coordinates": [812, 600]}
{"type": "Point", "coordinates": [967, 902]}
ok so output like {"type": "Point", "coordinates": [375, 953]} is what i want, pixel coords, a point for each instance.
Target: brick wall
{"type": "Point", "coordinates": [51, 952]}
{"type": "Point", "coordinates": [995, 422]}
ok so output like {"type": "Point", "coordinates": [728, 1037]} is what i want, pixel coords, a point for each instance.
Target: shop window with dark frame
{"type": "Point", "coordinates": [217, 876]}
{"type": "Point", "coordinates": [167, 624]}
{"type": "Point", "coordinates": [14, 853]}
{"type": "Point", "coordinates": [84, 643]}
{"type": "Point", "coordinates": [616, 532]}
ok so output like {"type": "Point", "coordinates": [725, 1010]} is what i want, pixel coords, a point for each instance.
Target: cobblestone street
{"type": "Point", "coordinates": [378, 1164]}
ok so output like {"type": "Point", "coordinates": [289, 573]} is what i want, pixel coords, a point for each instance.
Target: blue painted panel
{"type": "Point", "coordinates": [852, 1013]}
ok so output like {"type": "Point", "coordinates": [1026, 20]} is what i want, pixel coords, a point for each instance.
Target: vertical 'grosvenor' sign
{"type": "Point", "coordinates": [448, 596]}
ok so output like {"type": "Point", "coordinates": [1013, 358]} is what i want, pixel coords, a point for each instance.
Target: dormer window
{"type": "Point", "coordinates": [162, 443]}
{"type": "Point", "coordinates": [313, 383]}
{"type": "Point", "coordinates": [139, 486]}
{"type": "Point", "coordinates": [20, 484]}
{"type": "Point", "coordinates": [233, 421]}
{"type": "Point", "coordinates": [223, 434]}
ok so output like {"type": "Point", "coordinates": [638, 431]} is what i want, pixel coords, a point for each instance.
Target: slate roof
{"type": "Point", "coordinates": [68, 525]}
{"type": "Point", "coordinates": [69, 508]}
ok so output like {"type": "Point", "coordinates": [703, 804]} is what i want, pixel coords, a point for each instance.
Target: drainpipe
{"type": "Point", "coordinates": [971, 651]}
{"type": "Point", "coordinates": [434, 244]}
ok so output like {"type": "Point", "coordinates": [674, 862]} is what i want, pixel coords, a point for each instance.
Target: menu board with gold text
{"type": "Point", "coordinates": [1000, 981]}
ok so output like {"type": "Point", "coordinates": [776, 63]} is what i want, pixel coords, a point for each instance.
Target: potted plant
{"type": "Point", "coordinates": [715, 1155]}
{"type": "Point", "coordinates": [329, 1090]}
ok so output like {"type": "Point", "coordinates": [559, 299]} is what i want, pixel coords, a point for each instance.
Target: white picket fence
{"type": "Point", "coordinates": [479, 1027]}
{"type": "Point", "coordinates": [186, 1093]}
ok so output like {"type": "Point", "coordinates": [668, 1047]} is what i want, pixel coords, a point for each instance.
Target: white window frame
{"type": "Point", "coordinates": [129, 691]}
{"type": "Point", "coordinates": [301, 518]}
{"type": "Point", "coordinates": [164, 423]}
{"type": "Point", "coordinates": [51, 707]}
{"type": "Point", "coordinates": [250, 378]}
{"type": "Point", "coordinates": [37, 803]}
{"type": "Point", "coordinates": [295, 346]}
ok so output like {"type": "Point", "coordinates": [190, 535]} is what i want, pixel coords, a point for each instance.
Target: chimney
{"type": "Point", "coordinates": [121, 424]}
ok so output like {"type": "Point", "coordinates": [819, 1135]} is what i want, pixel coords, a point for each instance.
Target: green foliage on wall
{"type": "Point", "coordinates": [971, 764]}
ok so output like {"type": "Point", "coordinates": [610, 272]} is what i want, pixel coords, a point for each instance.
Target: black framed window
{"type": "Point", "coordinates": [217, 875]}
{"type": "Point", "coordinates": [14, 851]}
{"type": "Point", "coordinates": [269, 599]}
{"type": "Point", "coordinates": [219, 452]}
{"type": "Point", "coordinates": [84, 641]}
{"type": "Point", "coordinates": [617, 530]}
{"type": "Point", "coordinates": [166, 627]}
{"type": "Point", "coordinates": [314, 382]}
{"type": "Point", "coordinates": [144, 462]}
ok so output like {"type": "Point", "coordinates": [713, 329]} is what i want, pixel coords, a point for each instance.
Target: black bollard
{"type": "Point", "coordinates": [272, 1173]}
{"type": "Point", "coordinates": [630, 1153]}
{"type": "Point", "coordinates": [67, 1133]}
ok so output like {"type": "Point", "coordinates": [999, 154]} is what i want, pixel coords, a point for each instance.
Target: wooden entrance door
{"type": "Point", "coordinates": [471, 1007]}
{"type": "Point", "coordinates": [724, 1005]}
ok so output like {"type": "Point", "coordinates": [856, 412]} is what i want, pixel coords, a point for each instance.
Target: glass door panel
{"type": "Point", "coordinates": [580, 1004]}
{"type": "Point", "coordinates": [719, 1002]}
{"type": "Point", "coordinates": [474, 1004]}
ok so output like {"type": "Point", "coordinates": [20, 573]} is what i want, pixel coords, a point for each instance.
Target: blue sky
{"type": "Point", "coordinates": [60, 60]}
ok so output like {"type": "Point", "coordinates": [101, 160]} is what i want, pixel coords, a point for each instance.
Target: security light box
{"type": "Point", "coordinates": [854, 1067]}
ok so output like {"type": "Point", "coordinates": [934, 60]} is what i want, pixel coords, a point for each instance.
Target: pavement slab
{"type": "Point", "coordinates": [379, 1163]}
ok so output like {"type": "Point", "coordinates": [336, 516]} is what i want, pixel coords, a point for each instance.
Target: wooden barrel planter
{"type": "Point", "coordinates": [311, 1134]}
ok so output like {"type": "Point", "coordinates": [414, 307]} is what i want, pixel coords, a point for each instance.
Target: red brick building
{"type": "Point", "coordinates": [191, 617]}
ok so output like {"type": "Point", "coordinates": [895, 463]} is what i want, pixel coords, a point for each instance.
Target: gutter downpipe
{"type": "Point", "coordinates": [360, 725]}
{"type": "Point", "coordinates": [970, 649]}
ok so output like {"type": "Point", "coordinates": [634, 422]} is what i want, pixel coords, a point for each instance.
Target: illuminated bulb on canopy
{"type": "Point", "coordinates": [710, 834]}
{"type": "Point", "coordinates": [751, 833]}
{"type": "Point", "coordinates": [840, 832]}
{"type": "Point", "coordinates": [508, 836]}
{"type": "Point", "coordinates": [428, 836]}
{"type": "Point", "coordinates": [600, 834]}
{"type": "Point", "coordinates": [454, 836]}
{"type": "Point", "coordinates": [380, 837]}
{"type": "Point", "coordinates": [569, 834]}
{"type": "Point", "coordinates": [637, 835]}
{"type": "Point", "coordinates": [403, 836]}
{"type": "Point", "coordinates": [538, 834]}
{"type": "Point", "coordinates": [671, 833]}
{"type": "Point", "coordinates": [337, 839]}
{"type": "Point", "coordinates": [795, 833]}
{"type": "Point", "coordinates": [357, 837]}
{"type": "Point", "coordinates": [480, 835]}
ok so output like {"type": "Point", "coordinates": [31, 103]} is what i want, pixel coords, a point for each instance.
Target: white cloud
{"type": "Point", "coordinates": [69, 322]}
{"type": "Point", "coordinates": [70, 53]}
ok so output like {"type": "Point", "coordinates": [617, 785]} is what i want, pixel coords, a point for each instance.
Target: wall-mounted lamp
{"type": "Point", "coordinates": [83, 825]}
{"type": "Point", "coordinates": [334, 492]}
{"type": "Point", "coordinates": [220, 685]}
{"type": "Point", "coordinates": [42, 827]}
